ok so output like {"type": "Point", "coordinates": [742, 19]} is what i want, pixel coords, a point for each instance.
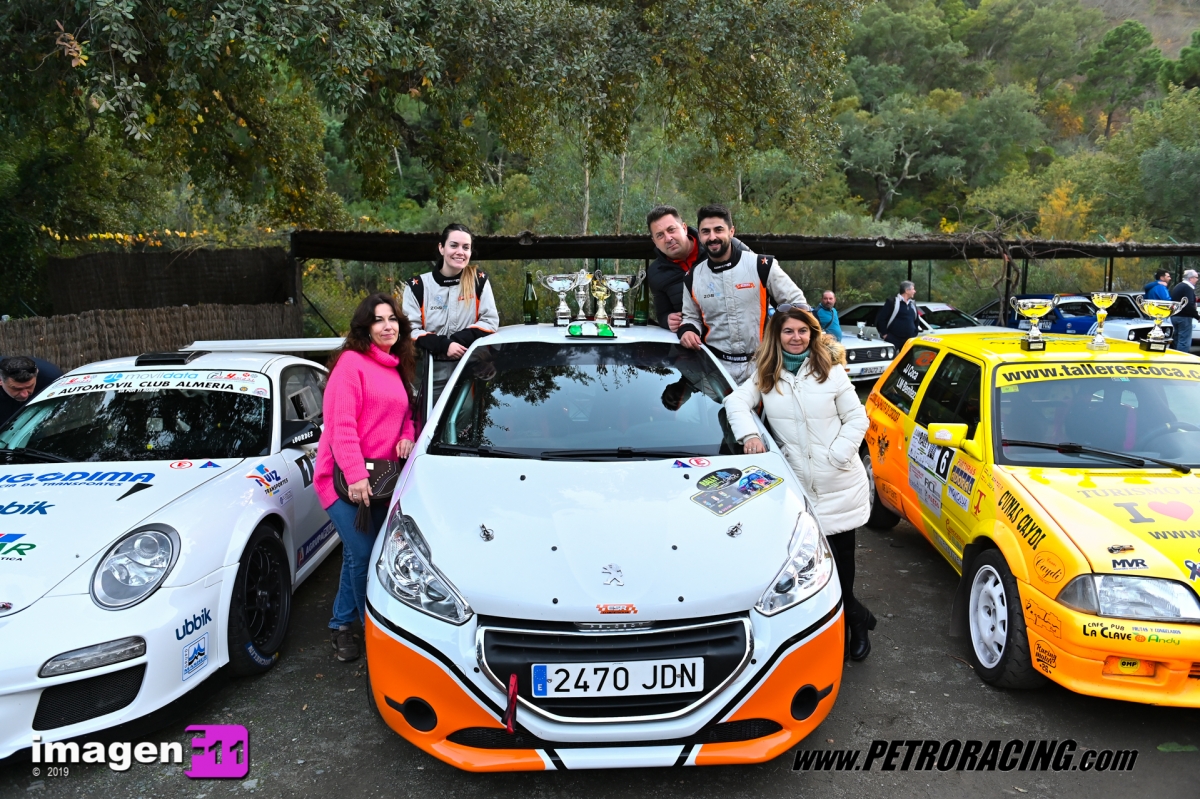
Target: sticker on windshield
{"type": "Point", "coordinates": [199, 380]}
{"type": "Point", "coordinates": [1010, 376]}
{"type": "Point", "coordinates": [721, 500]}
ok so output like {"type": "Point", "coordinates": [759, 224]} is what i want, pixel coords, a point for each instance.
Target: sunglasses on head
{"type": "Point", "coordinates": [797, 307]}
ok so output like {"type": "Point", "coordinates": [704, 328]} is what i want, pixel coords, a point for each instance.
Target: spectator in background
{"type": "Point", "coordinates": [827, 315]}
{"type": "Point", "coordinates": [897, 319]}
{"type": "Point", "coordinates": [23, 378]}
{"type": "Point", "coordinates": [1185, 290]}
{"type": "Point", "coordinates": [1157, 289]}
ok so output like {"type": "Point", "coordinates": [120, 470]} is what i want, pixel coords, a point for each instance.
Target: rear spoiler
{"type": "Point", "coordinates": [280, 345]}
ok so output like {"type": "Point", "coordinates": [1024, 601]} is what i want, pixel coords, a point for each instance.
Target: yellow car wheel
{"type": "Point", "coordinates": [999, 644]}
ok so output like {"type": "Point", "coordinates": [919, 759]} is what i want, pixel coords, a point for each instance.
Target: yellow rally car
{"type": "Point", "coordinates": [1060, 484]}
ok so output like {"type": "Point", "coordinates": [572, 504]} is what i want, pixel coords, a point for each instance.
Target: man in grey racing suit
{"type": "Point", "coordinates": [726, 297]}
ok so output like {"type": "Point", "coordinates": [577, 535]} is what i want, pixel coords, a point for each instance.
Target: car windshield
{"type": "Point", "coordinates": [947, 318]}
{"type": "Point", "coordinates": [541, 399]}
{"type": "Point", "coordinates": [128, 420]}
{"type": "Point", "coordinates": [1133, 409]}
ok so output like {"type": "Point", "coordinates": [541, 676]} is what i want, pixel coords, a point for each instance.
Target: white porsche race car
{"type": "Point", "coordinates": [157, 513]}
{"type": "Point", "coordinates": [581, 569]}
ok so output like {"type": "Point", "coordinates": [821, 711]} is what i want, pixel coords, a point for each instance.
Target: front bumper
{"type": "Point", "coordinates": [429, 686]}
{"type": "Point", "coordinates": [57, 624]}
{"type": "Point", "coordinates": [1073, 648]}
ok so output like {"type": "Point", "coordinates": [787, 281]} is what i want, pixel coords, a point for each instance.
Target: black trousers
{"type": "Point", "coordinates": [842, 545]}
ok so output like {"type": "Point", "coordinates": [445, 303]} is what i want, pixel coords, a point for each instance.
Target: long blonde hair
{"type": "Point", "coordinates": [466, 281]}
{"type": "Point", "coordinates": [769, 361]}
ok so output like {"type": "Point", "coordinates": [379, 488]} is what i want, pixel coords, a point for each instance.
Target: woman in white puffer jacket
{"type": "Point", "coordinates": [819, 423]}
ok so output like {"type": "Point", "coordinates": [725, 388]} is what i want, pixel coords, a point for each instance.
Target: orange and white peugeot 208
{"type": "Point", "coordinates": [581, 569]}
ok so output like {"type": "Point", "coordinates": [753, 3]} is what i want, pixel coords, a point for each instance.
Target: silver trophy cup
{"type": "Point", "coordinates": [620, 285]}
{"type": "Point", "coordinates": [583, 285]}
{"type": "Point", "coordinates": [561, 284]}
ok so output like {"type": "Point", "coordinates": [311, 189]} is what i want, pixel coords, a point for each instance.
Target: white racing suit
{"type": "Point", "coordinates": [726, 306]}
{"type": "Point", "coordinates": [439, 315]}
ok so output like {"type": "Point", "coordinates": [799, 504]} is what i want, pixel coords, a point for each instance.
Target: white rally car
{"type": "Point", "coordinates": [156, 514]}
{"type": "Point", "coordinates": [581, 569]}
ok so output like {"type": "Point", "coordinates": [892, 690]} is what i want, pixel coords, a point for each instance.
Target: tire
{"type": "Point", "coordinates": [881, 518]}
{"type": "Point", "coordinates": [262, 604]}
{"type": "Point", "coordinates": [999, 649]}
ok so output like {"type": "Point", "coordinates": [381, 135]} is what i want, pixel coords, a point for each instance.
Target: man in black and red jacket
{"type": "Point", "coordinates": [678, 250]}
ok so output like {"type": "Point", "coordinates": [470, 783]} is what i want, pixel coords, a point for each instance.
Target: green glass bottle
{"type": "Point", "coordinates": [529, 308]}
{"type": "Point", "coordinates": [641, 306]}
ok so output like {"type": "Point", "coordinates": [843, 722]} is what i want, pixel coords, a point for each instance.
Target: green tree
{"type": "Point", "coordinates": [1121, 70]}
{"type": "Point", "coordinates": [1184, 71]}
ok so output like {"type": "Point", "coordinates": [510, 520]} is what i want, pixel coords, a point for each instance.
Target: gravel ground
{"type": "Point", "coordinates": [312, 733]}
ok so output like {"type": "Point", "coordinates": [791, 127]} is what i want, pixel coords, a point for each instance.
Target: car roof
{"type": "Point", "coordinates": [558, 335]}
{"type": "Point", "coordinates": [1002, 345]}
{"type": "Point", "coordinates": [225, 361]}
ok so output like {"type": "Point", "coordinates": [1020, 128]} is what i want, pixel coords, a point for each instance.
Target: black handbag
{"type": "Point", "coordinates": [382, 475]}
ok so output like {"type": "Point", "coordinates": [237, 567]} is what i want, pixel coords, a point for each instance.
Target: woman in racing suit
{"type": "Point", "coordinates": [451, 306]}
{"type": "Point", "coordinates": [819, 424]}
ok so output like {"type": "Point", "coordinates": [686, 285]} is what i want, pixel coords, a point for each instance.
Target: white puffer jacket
{"type": "Point", "coordinates": [819, 427]}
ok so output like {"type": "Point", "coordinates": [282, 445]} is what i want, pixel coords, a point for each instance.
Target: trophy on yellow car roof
{"type": "Point", "coordinates": [1158, 310]}
{"type": "Point", "coordinates": [1103, 300]}
{"type": "Point", "coordinates": [1033, 309]}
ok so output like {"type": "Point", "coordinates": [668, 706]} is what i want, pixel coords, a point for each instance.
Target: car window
{"type": "Point", "coordinates": [953, 395]}
{"type": "Point", "coordinates": [138, 418]}
{"type": "Point", "coordinates": [947, 318]}
{"type": "Point", "coordinates": [863, 313]}
{"type": "Point", "coordinates": [542, 398]}
{"type": "Point", "coordinates": [302, 394]}
{"type": "Point", "coordinates": [1075, 308]}
{"type": "Point", "coordinates": [1123, 308]}
{"type": "Point", "coordinates": [905, 380]}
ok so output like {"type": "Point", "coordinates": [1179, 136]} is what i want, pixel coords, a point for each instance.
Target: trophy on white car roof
{"type": "Point", "coordinates": [1103, 300]}
{"type": "Point", "coordinates": [600, 292]}
{"type": "Point", "coordinates": [1033, 310]}
{"type": "Point", "coordinates": [560, 283]}
{"type": "Point", "coordinates": [583, 283]}
{"type": "Point", "coordinates": [620, 285]}
{"type": "Point", "coordinates": [1158, 310]}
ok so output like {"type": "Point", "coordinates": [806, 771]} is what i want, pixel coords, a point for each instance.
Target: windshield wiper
{"type": "Point", "coordinates": [1068, 447]}
{"type": "Point", "coordinates": [483, 451]}
{"type": "Point", "coordinates": [34, 454]}
{"type": "Point", "coordinates": [615, 454]}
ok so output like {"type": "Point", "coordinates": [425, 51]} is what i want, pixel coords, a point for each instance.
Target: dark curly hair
{"type": "Point", "coordinates": [359, 337]}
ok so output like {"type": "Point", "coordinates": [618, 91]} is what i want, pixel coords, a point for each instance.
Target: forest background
{"type": "Point", "coordinates": [227, 123]}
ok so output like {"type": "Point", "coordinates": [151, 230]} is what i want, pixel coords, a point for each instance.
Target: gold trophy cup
{"type": "Point", "coordinates": [1033, 310]}
{"type": "Point", "coordinates": [600, 292]}
{"type": "Point", "coordinates": [1103, 300]}
{"type": "Point", "coordinates": [1158, 310]}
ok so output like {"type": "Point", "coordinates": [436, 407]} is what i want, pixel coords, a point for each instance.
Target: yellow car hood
{"type": "Point", "coordinates": [1104, 512]}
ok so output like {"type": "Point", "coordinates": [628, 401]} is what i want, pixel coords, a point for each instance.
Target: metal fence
{"type": "Point", "coordinates": [332, 289]}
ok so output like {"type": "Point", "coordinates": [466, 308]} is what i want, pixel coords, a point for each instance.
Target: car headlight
{"type": "Point", "coordinates": [135, 566]}
{"type": "Point", "coordinates": [807, 570]}
{"type": "Point", "coordinates": [93, 657]}
{"type": "Point", "coordinates": [407, 572]}
{"type": "Point", "coordinates": [1130, 597]}
{"type": "Point", "coordinates": [1132, 335]}
{"type": "Point", "coordinates": [852, 355]}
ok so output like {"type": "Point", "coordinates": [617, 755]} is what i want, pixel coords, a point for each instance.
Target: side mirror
{"type": "Point", "coordinates": [947, 435]}
{"type": "Point", "coordinates": [294, 433]}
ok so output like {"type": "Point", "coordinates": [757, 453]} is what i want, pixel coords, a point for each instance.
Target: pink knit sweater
{"type": "Point", "coordinates": [366, 415]}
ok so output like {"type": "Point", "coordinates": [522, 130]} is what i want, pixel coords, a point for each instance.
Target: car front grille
{"type": "Point", "coordinates": [867, 354]}
{"type": "Point", "coordinates": [1140, 333]}
{"type": "Point", "coordinates": [73, 702]}
{"type": "Point", "coordinates": [727, 732]}
{"type": "Point", "coordinates": [512, 647]}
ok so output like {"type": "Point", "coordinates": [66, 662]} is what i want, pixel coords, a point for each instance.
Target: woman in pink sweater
{"type": "Point", "coordinates": [367, 415]}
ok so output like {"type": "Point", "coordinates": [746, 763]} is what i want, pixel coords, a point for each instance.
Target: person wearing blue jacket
{"type": "Point", "coordinates": [827, 315]}
{"type": "Point", "coordinates": [1157, 288]}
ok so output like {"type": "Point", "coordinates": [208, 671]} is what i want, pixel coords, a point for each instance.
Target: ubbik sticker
{"type": "Point", "coordinates": [726, 489]}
